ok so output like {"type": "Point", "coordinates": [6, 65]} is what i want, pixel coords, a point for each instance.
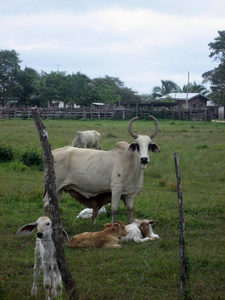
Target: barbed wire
{"type": "Point", "coordinates": [147, 266]}
{"type": "Point", "coordinates": [162, 189]}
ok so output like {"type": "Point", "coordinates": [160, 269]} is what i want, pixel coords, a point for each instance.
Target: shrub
{"type": "Point", "coordinates": [6, 153]}
{"type": "Point", "coordinates": [32, 157]}
{"type": "Point", "coordinates": [220, 147]}
{"type": "Point", "coordinates": [18, 166]}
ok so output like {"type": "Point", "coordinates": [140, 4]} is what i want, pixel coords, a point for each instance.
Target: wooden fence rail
{"type": "Point", "coordinates": [118, 113]}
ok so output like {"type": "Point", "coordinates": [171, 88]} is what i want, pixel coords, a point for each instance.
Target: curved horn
{"type": "Point", "coordinates": [130, 128]}
{"type": "Point", "coordinates": [156, 127]}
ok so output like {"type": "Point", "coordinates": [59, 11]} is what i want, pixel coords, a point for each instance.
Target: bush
{"type": "Point", "coordinates": [18, 166]}
{"type": "Point", "coordinates": [32, 157]}
{"type": "Point", "coordinates": [6, 153]}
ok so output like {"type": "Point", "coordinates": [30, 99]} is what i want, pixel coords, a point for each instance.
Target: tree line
{"type": "Point", "coordinates": [29, 88]}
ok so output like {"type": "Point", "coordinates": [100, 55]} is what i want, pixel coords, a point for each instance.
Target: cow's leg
{"type": "Point", "coordinates": [97, 145]}
{"type": "Point", "coordinates": [129, 203]}
{"type": "Point", "coordinates": [116, 195]}
{"type": "Point", "coordinates": [58, 281]}
{"type": "Point", "coordinates": [36, 271]}
{"type": "Point", "coordinates": [94, 214]}
{"type": "Point", "coordinates": [47, 279]}
{"type": "Point", "coordinates": [111, 245]}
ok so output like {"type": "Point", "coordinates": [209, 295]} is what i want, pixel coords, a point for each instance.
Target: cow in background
{"type": "Point", "coordinates": [87, 139]}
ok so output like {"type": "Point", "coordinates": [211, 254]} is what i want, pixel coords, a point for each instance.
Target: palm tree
{"type": "Point", "coordinates": [195, 88]}
{"type": "Point", "coordinates": [166, 88]}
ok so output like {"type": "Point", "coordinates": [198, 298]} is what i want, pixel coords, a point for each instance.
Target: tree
{"type": "Point", "coordinates": [217, 76]}
{"type": "Point", "coordinates": [9, 67]}
{"type": "Point", "coordinates": [51, 88]}
{"type": "Point", "coordinates": [120, 93]}
{"type": "Point", "coordinates": [147, 98]}
{"type": "Point", "coordinates": [26, 90]}
{"type": "Point", "coordinates": [167, 87]}
{"type": "Point", "coordinates": [195, 88]}
{"type": "Point", "coordinates": [107, 94]}
{"type": "Point", "coordinates": [80, 90]}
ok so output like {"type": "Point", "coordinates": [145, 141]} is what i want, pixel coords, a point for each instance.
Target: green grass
{"type": "Point", "coordinates": [136, 271]}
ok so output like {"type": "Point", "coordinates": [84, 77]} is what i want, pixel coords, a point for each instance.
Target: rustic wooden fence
{"type": "Point", "coordinates": [104, 113]}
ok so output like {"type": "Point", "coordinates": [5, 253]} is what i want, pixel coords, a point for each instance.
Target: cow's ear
{"type": "Point", "coordinates": [65, 235]}
{"type": "Point", "coordinates": [152, 222]}
{"type": "Point", "coordinates": [27, 229]}
{"type": "Point", "coordinates": [108, 225]}
{"type": "Point", "coordinates": [132, 147]}
{"type": "Point", "coordinates": [154, 148]}
{"type": "Point", "coordinates": [116, 225]}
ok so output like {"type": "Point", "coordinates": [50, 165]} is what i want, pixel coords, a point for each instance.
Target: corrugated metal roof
{"type": "Point", "coordinates": [181, 96]}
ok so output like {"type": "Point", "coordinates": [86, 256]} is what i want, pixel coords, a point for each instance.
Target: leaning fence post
{"type": "Point", "coordinates": [183, 271]}
{"type": "Point", "coordinates": [50, 188]}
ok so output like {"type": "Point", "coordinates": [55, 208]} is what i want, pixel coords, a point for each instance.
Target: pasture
{"type": "Point", "coordinates": [136, 271]}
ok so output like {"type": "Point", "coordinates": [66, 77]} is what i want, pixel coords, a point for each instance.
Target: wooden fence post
{"type": "Point", "coordinates": [183, 271]}
{"type": "Point", "coordinates": [50, 188]}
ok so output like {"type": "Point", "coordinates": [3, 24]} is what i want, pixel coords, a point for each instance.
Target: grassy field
{"type": "Point", "coordinates": [136, 271]}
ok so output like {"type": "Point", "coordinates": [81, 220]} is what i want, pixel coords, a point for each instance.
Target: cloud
{"type": "Point", "coordinates": [138, 45]}
{"type": "Point", "coordinates": [113, 30]}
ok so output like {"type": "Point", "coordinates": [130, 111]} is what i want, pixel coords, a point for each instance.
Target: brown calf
{"type": "Point", "coordinates": [107, 238]}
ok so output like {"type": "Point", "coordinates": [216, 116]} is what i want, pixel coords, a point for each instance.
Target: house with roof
{"type": "Point", "coordinates": [188, 100]}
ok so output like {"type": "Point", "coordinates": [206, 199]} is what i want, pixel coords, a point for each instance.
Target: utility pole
{"type": "Point", "coordinates": [187, 89]}
{"type": "Point", "coordinates": [58, 68]}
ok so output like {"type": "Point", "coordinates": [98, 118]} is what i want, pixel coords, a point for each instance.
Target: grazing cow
{"type": "Point", "coordinates": [45, 256]}
{"type": "Point", "coordinates": [107, 238]}
{"type": "Point", "coordinates": [87, 139]}
{"type": "Point", "coordinates": [140, 231]}
{"type": "Point", "coordinates": [117, 173]}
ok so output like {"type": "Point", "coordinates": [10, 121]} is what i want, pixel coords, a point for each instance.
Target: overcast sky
{"type": "Point", "coordinates": [139, 41]}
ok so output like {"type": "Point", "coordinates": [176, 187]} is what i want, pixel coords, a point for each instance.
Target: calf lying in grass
{"type": "Point", "coordinates": [88, 212]}
{"type": "Point", "coordinates": [45, 258]}
{"type": "Point", "coordinates": [140, 231]}
{"type": "Point", "coordinates": [107, 238]}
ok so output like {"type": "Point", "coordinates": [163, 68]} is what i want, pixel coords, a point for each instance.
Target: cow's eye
{"type": "Point", "coordinates": [149, 147]}
{"type": "Point", "coordinates": [138, 147]}
{"type": "Point", "coordinates": [48, 224]}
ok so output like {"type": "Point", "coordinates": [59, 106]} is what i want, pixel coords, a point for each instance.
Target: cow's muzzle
{"type": "Point", "coordinates": [40, 235]}
{"type": "Point", "coordinates": [144, 160]}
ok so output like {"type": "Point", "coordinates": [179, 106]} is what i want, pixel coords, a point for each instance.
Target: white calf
{"type": "Point", "coordinates": [45, 257]}
{"type": "Point", "coordinates": [140, 231]}
{"type": "Point", "coordinates": [87, 212]}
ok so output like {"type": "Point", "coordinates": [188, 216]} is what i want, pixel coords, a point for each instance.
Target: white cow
{"type": "Point", "coordinates": [140, 231]}
{"type": "Point", "coordinates": [87, 139]}
{"type": "Point", "coordinates": [45, 257]}
{"type": "Point", "coordinates": [118, 172]}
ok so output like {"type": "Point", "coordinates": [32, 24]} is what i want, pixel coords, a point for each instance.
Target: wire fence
{"type": "Point", "coordinates": [148, 270]}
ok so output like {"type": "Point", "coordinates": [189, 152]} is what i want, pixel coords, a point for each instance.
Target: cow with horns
{"type": "Point", "coordinates": [117, 173]}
